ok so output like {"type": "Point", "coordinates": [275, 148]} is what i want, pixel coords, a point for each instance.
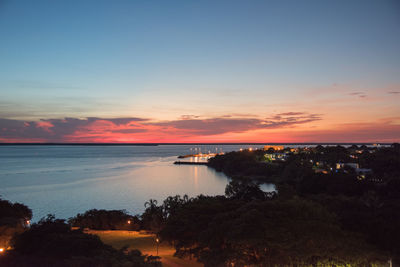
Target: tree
{"type": "Point", "coordinates": [13, 212]}
{"type": "Point", "coordinates": [14, 218]}
{"type": "Point", "coordinates": [106, 220]}
{"type": "Point", "coordinates": [244, 190]}
{"type": "Point", "coordinates": [220, 231]}
{"type": "Point", "coordinates": [172, 204]}
{"type": "Point", "coordinates": [152, 217]}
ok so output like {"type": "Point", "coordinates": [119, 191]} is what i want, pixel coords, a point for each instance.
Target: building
{"type": "Point", "coordinates": [276, 148]}
{"type": "Point", "coordinates": [342, 165]}
{"type": "Point", "coordinates": [276, 156]}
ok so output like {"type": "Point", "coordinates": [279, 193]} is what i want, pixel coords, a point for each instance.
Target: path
{"type": "Point", "coordinates": [146, 244]}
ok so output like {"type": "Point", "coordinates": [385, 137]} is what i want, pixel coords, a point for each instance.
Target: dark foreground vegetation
{"type": "Point", "coordinates": [14, 217]}
{"type": "Point", "coordinates": [248, 227]}
{"type": "Point", "coordinates": [334, 206]}
{"type": "Point", "coordinates": [359, 186]}
{"type": "Point", "coordinates": [52, 242]}
{"type": "Point", "coordinates": [106, 220]}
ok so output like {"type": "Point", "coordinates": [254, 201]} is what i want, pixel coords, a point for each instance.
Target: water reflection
{"type": "Point", "coordinates": [65, 180]}
{"type": "Point", "coordinates": [111, 187]}
{"type": "Point", "coordinates": [196, 177]}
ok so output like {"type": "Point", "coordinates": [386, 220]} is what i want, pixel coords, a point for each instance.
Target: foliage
{"type": "Point", "coordinates": [244, 190]}
{"type": "Point", "coordinates": [369, 207]}
{"type": "Point", "coordinates": [371, 215]}
{"type": "Point", "coordinates": [13, 220]}
{"type": "Point", "coordinates": [105, 220]}
{"type": "Point", "coordinates": [155, 216]}
{"type": "Point", "coordinates": [273, 232]}
{"type": "Point", "coordinates": [51, 242]}
{"type": "Point", "coordinates": [245, 163]}
{"type": "Point", "coordinates": [152, 217]}
{"type": "Point", "coordinates": [384, 162]}
{"type": "Point", "coordinates": [13, 213]}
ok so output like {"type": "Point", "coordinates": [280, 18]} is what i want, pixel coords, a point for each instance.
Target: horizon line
{"type": "Point", "coordinates": [192, 143]}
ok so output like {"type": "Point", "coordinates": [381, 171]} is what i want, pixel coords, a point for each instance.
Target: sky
{"type": "Point", "coordinates": [200, 71]}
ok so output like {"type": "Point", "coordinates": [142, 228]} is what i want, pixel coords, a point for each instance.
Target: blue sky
{"type": "Point", "coordinates": [164, 59]}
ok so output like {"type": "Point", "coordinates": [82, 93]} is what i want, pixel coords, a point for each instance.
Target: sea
{"type": "Point", "coordinates": [66, 180]}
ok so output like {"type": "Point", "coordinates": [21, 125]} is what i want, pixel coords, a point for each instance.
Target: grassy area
{"type": "Point", "coordinates": [146, 244]}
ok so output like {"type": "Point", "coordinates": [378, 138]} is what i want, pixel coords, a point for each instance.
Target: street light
{"type": "Point", "coordinates": [157, 241]}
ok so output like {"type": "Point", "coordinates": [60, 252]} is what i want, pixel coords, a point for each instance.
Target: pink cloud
{"type": "Point", "coordinates": [281, 127]}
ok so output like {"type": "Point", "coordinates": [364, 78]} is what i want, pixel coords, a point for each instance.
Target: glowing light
{"type": "Point", "coordinates": [129, 222]}
{"type": "Point", "coordinates": [2, 250]}
{"type": "Point", "coordinates": [28, 222]}
{"type": "Point", "coordinates": [157, 241]}
{"type": "Point", "coordinates": [274, 147]}
{"type": "Point", "coordinates": [196, 178]}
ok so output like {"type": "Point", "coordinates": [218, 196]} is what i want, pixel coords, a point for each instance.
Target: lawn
{"type": "Point", "coordinates": [146, 244]}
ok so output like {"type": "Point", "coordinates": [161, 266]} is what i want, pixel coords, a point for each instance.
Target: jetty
{"type": "Point", "coordinates": [197, 158]}
{"type": "Point", "coordinates": [190, 163]}
{"type": "Point", "coordinates": [199, 155]}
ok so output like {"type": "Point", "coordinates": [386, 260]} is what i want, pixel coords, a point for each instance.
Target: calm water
{"type": "Point", "coordinates": [66, 180]}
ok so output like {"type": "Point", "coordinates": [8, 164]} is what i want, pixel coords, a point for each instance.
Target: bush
{"type": "Point", "coordinates": [13, 220]}
{"type": "Point", "coordinates": [51, 242]}
{"type": "Point", "coordinates": [106, 220]}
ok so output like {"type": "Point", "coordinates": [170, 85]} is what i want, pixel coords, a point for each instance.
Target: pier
{"type": "Point", "coordinates": [197, 158]}
{"type": "Point", "coordinates": [190, 163]}
{"type": "Point", "coordinates": [200, 155]}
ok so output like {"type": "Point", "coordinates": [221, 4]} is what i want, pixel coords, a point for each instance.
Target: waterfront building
{"type": "Point", "coordinates": [276, 148]}
{"type": "Point", "coordinates": [342, 165]}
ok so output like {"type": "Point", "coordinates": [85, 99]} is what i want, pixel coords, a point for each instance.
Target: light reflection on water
{"type": "Point", "coordinates": [65, 180]}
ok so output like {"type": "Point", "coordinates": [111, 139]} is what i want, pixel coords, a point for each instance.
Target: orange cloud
{"type": "Point", "coordinates": [281, 127]}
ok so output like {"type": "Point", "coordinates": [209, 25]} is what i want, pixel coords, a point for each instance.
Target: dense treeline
{"type": "Point", "coordinates": [106, 220]}
{"type": "Point", "coordinates": [385, 162]}
{"type": "Point", "coordinates": [246, 163]}
{"type": "Point", "coordinates": [246, 226]}
{"type": "Point", "coordinates": [221, 231]}
{"type": "Point", "coordinates": [249, 226]}
{"type": "Point", "coordinates": [368, 206]}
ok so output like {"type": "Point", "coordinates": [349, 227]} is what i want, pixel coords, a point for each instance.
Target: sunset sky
{"type": "Point", "coordinates": [200, 71]}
